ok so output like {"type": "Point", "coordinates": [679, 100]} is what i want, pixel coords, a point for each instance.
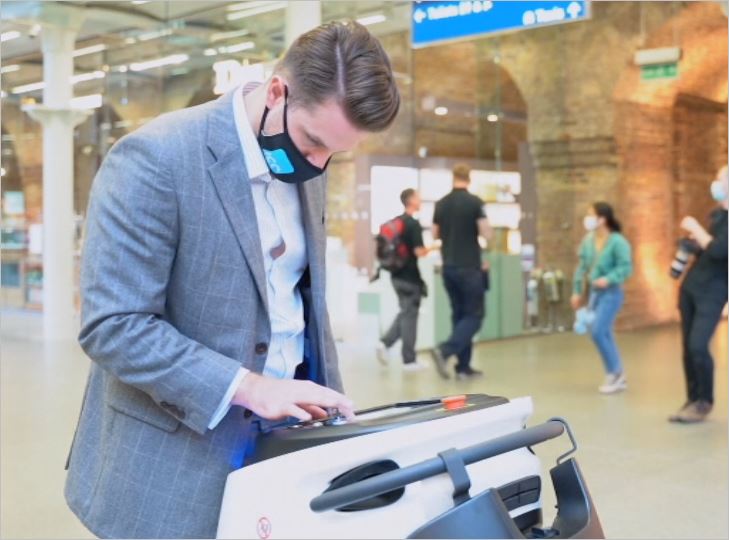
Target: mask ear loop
{"type": "Point", "coordinates": [286, 106]}
{"type": "Point", "coordinates": [266, 110]}
{"type": "Point", "coordinates": [263, 121]}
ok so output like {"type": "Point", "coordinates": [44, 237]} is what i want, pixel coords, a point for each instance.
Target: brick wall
{"type": "Point", "coordinates": [595, 130]}
{"type": "Point", "coordinates": [671, 139]}
{"type": "Point", "coordinates": [700, 149]}
{"type": "Point", "coordinates": [645, 155]}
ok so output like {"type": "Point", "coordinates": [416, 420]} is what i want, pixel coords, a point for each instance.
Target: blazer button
{"type": "Point", "coordinates": [261, 348]}
{"type": "Point", "coordinates": [248, 413]}
{"type": "Point", "coordinates": [173, 409]}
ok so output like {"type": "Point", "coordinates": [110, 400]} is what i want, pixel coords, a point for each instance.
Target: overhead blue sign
{"type": "Point", "coordinates": [434, 22]}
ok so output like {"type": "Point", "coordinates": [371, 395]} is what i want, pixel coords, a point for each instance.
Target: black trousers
{"type": "Point", "coordinates": [700, 313]}
{"type": "Point", "coordinates": [465, 288]}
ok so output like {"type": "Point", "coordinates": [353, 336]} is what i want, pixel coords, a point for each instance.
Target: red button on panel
{"type": "Point", "coordinates": [454, 402]}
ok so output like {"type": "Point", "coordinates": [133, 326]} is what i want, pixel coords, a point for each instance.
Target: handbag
{"type": "Point", "coordinates": [584, 317]}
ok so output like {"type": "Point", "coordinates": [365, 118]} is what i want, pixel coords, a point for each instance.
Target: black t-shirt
{"type": "Point", "coordinates": [412, 237]}
{"type": "Point", "coordinates": [457, 216]}
{"type": "Point", "coordinates": [708, 275]}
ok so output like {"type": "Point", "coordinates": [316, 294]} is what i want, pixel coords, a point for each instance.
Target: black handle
{"type": "Point", "coordinates": [383, 483]}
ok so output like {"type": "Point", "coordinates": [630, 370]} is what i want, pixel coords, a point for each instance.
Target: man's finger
{"type": "Point", "coordinates": [348, 413]}
{"type": "Point", "coordinates": [316, 412]}
{"type": "Point", "coordinates": [298, 412]}
{"type": "Point", "coordinates": [322, 396]}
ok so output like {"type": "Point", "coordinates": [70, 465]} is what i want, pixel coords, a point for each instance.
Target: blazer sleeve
{"type": "Point", "coordinates": [131, 240]}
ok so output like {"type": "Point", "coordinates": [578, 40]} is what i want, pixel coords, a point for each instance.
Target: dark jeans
{"type": "Point", "coordinates": [405, 325]}
{"type": "Point", "coordinates": [465, 288]}
{"type": "Point", "coordinates": [700, 313]}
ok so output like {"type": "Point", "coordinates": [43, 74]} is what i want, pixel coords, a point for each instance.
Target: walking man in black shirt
{"type": "Point", "coordinates": [701, 300]}
{"type": "Point", "coordinates": [458, 221]}
{"type": "Point", "coordinates": [409, 287]}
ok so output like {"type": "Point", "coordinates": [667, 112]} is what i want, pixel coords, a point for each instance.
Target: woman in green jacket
{"type": "Point", "coordinates": [605, 263]}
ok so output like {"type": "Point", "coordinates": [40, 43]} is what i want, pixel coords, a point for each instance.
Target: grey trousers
{"type": "Point", "coordinates": [405, 325]}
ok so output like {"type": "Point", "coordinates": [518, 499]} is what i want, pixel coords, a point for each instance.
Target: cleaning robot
{"type": "Point", "coordinates": [454, 467]}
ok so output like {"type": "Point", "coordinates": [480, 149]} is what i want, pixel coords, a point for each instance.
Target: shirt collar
{"type": "Point", "coordinates": [255, 163]}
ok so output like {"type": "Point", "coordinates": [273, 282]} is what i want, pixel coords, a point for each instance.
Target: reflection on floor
{"type": "Point", "coordinates": [648, 478]}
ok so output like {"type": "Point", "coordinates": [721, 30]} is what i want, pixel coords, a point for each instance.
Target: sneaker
{"type": "Point", "coordinates": [414, 366]}
{"type": "Point", "coordinates": [614, 382]}
{"type": "Point", "coordinates": [468, 374]}
{"type": "Point", "coordinates": [384, 354]}
{"type": "Point", "coordinates": [440, 363]}
{"type": "Point", "coordinates": [695, 412]}
{"type": "Point", "coordinates": [676, 417]}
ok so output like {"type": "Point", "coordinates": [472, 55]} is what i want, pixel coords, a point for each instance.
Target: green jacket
{"type": "Point", "coordinates": [615, 262]}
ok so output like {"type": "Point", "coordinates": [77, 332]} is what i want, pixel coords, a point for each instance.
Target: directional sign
{"type": "Point", "coordinates": [435, 22]}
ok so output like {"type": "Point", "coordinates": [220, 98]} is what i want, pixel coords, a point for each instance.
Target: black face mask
{"type": "Point", "coordinates": [285, 161]}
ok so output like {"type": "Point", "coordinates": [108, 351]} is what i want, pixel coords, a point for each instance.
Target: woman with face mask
{"type": "Point", "coordinates": [702, 298]}
{"type": "Point", "coordinates": [605, 262]}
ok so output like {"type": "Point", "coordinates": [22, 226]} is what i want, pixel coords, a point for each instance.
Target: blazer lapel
{"type": "Point", "coordinates": [311, 195]}
{"type": "Point", "coordinates": [230, 178]}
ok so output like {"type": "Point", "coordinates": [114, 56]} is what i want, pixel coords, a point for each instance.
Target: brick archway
{"type": "Point", "coordinates": [464, 79]}
{"type": "Point", "coordinates": [671, 137]}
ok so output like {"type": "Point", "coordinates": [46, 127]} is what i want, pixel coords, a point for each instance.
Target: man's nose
{"type": "Point", "coordinates": [319, 159]}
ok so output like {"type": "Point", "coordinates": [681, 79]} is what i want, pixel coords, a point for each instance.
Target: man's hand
{"type": "Point", "coordinates": [274, 399]}
{"type": "Point", "coordinates": [485, 230]}
{"type": "Point", "coordinates": [601, 283]}
{"type": "Point", "coordinates": [575, 301]}
{"type": "Point", "coordinates": [691, 225]}
{"type": "Point", "coordinates": [696, 231]}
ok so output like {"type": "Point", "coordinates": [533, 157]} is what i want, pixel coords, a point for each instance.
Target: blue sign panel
{"type": "Point", "coordinates": [443, 21]}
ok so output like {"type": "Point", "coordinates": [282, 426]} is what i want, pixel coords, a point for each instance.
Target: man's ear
{"type": "Point", "coordinates": [276, 91]}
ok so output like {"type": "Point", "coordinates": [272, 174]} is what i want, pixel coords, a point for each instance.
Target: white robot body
{"type": "Point", "coordinates": [271, 498]}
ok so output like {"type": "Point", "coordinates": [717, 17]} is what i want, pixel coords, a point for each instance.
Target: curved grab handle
{"type": "Point", "coordinates": [383, 483]}
{"type": "Point", "coordinates": [572, 450]}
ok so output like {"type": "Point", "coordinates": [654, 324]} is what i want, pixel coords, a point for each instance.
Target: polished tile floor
{"type": "Point", "coordinates": [649, 478]}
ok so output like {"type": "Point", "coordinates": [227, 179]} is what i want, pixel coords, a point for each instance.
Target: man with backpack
{"type": "Point", "coordinates": [400, 243]}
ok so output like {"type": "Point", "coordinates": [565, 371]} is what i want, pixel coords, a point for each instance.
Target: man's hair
{"type": "Point", "coordinates": [462, 172]}
{"type": "Point", "coordinates": [406, 195]}
{"type": "Point", "coordinates": [343, 61]}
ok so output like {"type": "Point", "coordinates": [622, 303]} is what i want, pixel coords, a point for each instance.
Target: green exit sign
{"type": "Point", "coordinates": [659, 71]}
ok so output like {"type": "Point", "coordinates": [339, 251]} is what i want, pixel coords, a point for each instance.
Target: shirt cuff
{"type": "Point", "coordinates": [225, 403]}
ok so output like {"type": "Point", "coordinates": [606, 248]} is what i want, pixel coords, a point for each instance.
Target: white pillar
{"type": "Point", "coordinates": [58, 120]}
{"type": "Point", "coordinates": [301, 16]}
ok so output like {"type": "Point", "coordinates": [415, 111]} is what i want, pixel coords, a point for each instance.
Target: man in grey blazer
{"type": "Point", "coordinates": [203, 294]}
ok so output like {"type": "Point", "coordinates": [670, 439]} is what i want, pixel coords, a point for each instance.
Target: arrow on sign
{"type": "Point", "coordinates": [419, 15]}
{"type": "Point", "coordinates": [574, 9]}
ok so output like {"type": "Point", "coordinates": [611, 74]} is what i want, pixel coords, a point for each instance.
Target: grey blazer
{"type": "Point", "coordinates": [173, 303]}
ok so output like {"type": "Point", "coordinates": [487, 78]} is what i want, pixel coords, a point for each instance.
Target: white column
{"type": "Point", "coordinates": [58, 120]}
{"type": "Point", "coordinates": [301, 16]}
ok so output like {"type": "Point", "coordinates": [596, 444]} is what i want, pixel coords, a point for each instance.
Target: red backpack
{"type": "Point", "coordinates": [392, 252]}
